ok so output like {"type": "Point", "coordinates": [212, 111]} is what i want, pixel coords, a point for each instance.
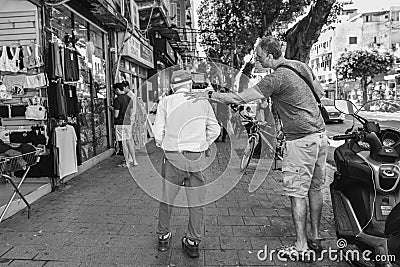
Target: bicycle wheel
{"type": "Point", "coordinates": [248, 153]}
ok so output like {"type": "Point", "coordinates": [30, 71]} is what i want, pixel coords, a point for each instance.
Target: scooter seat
{"type": "Point", "coordinates": [392, 224]}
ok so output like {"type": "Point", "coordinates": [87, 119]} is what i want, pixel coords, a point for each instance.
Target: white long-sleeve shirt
{"type": "Point", "coordinates": [185, 125]}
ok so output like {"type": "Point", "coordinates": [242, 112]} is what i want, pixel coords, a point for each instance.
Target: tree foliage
{"type": "Point", "coordinates": [364, 65]}
{"type": "Point", "coordinates": [230, 24]}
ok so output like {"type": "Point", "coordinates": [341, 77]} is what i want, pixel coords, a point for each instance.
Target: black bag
{"type": "Point", "coordinates": [18, 110]}
{"type": "Point", "coordinates": [20, 137]}
{"type": "Point", "coordinates": [314, 85]}
{"type": "Point", "coordinates": [37, 137]}
{"type": "Point", "coordinates": [4, 112]}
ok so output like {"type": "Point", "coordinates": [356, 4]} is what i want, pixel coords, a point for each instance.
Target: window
{"type": "Point", "coordinates": [178, 14]}
{"type": "Point", "coordinates": [352, 40]}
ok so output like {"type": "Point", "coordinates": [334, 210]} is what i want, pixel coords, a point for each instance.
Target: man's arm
{"type": "Point", "coordinates": [264, 89]}
{"type": "Point", "coordinates": [159, 123]}
{"type": "Point", "coordinates": [213, 129]}
{"type": "Point", "coordinates": [246, 96]}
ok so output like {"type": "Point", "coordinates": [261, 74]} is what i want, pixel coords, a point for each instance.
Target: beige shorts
{"type": "Point", "coordinates": [123, 132]}
{"type": "Point", "coordinates": [304, 165]}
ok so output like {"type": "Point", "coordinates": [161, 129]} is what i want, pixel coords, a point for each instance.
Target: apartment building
{"type": "Point", "coordinates": [368, 30]}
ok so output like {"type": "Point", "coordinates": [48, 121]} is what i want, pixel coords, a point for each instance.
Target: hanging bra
{"type": "Point", "coordinates": [5, 62]}
{"type": "Point", "coordinates": [15, 61]}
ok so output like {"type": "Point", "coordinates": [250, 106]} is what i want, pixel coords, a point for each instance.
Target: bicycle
{"type": "Point", "coordinates": [254, 138]}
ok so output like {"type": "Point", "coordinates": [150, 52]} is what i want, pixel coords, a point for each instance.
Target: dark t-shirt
{"type": "Point", "coordinates": [123, 103]}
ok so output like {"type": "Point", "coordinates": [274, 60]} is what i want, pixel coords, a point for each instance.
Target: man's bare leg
{"type": "Point", "coordinates": [316, 201]}
{"type": "Point", "coordinates": [299, 213]}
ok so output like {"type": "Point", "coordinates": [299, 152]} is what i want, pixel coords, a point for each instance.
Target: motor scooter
{"type": "Point", "coordinates": [365, 191]}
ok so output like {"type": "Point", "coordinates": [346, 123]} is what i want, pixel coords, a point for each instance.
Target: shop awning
{"type": "Point", "coordinates": [104, 12]}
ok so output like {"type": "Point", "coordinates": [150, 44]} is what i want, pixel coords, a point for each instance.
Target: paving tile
{"type": "Point", "coordinates": [240, 212]}
{"type": "Point", "coordinates": [246, 231]}
{"type": "Point", "coordinates": [260, 220]}
{"type": "Point", "coordinates": [221, 257]}
{"type": "Point", "coordinates": [265, 212]}
{"type": "Point", "coordinates": [27, 252]}
{"type": "Point", "coordinates": [235, 243]}
{"type": "Point", "coordinates": [230, 220]}
{"type": "Point", "coordinates": [218, 231]}
{"type": "Point", "coordinates": [179, 258]}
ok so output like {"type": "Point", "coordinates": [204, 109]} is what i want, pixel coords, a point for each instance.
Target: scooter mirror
{"type": "Point", "coordinates": [345, 106]}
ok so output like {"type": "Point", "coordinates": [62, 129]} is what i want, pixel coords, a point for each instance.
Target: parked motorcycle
{"type": "Point", "coordinates": [365, 191]}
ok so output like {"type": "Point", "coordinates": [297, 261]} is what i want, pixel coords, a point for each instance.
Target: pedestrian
{"type": "Point", "coordinates": [306, 148]}
{"type": "Point", "coordinates": [222, 115]}
{"type": "Point", "coordinates": [123, 128]}
{"type": "Point", "coordinates": [184, 129]}
{"type": "Point", "coordinates": [133, 111]}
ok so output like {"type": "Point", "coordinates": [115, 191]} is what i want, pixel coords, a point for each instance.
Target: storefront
{"type": "Point", "coordinates": [137, 59]}
{"type": "Point", "coordinates": [85, 83]}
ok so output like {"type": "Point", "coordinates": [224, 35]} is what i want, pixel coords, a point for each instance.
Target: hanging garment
{"type": "Point", "coordinates": [27, 53]}
{"type": "Point", "coordinates": [56, 101]}
{"type": "Point", "coordinates": [12, 81]}
{"type": "Point", "coordinates": [36, 81]}
{"type": "Point", "coordinates": [89, 51]}
{"type": "Point", "coordinates": [71, 100]}
{"type": "Point", "coordinates": [54, 68]}
{"type": "Point", "coordinates": [5, 62]}
{"type": "Point", "coordinates": [15, 61]}
{"type": "Point", "coordinates": [38, 56]}
{"type": "Point", "coordinates": [65, 141]}
{"type": "Point", "coordinates": [21, 65]}
{"type": "Point", "coordinates": [71, 65]}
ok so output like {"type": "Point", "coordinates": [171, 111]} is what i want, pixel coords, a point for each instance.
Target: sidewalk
{"type": "Point", "coordinates": [102, 218]}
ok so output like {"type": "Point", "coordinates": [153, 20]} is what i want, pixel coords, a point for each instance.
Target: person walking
{"type": "Point", "coordinates": [304, 163]}
{"type": "Point", "coordinates": [184, 129]}
{"type": "Point", "coordinates": [123, 128]}
{"type": "Point", "coordinates": [133, 111]}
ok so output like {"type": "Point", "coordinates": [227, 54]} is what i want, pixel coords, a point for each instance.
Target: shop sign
{"type": "Point", "coordinates": [146, 55]}
{"type": "Point", "coordinates": [139, 52]}
{"type": "Point", "coordinates": [131, 48]}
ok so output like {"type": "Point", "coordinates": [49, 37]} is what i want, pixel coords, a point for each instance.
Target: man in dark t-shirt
{"type": "Point", "coordinates": [123, 127]}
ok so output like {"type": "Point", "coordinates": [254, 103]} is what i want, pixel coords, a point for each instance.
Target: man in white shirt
{"type": "Point", "coordinates": [184, 129]}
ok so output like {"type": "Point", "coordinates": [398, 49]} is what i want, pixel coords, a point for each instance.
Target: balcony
{"type": "Point", "coordinates": [157, 9]}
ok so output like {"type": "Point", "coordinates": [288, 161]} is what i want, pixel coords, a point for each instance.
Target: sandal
{"type": "Point", "coordinates": [291, 252]}
{"type": "Point", "coordinates": [123, 165]}
{"type": "Point", "coordinates": [315, 244]}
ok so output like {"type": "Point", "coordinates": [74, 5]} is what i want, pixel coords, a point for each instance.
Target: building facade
{"type": "Point", "coordinates": [356, 31]}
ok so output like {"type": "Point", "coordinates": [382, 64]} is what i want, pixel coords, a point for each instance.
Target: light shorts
{"type": "Point", "coordinates": [304, 165]}
{"type": "Point", "coordinates": [123, 132]}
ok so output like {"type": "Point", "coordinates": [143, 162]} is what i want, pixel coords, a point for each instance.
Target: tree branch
{"type": "Point", "coordinates": [305, 33]}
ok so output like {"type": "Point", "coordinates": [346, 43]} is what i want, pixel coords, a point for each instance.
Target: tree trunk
{"type": "Point", "coordinates": [305, 33]}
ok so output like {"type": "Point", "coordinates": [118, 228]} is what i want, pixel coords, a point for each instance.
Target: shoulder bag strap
{"type": "Point", "coordinates": [309, 83]}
